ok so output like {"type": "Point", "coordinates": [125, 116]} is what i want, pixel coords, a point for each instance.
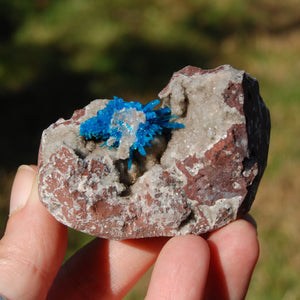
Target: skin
{"type": "Point", "coordinates": [218, 266]}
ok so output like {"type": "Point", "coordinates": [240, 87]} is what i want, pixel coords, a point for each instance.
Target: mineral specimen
{"type": "Point", "coordinates": [192, 180]}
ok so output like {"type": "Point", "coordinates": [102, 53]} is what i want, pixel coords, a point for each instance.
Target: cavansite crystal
{"type": "Point", "coordinates": [192, 180]}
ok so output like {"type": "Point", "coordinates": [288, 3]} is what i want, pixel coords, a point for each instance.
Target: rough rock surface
{"type": "Point", "coordinates": [194, 181]}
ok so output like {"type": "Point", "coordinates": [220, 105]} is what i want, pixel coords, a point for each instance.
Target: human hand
{"type": "Point", "coordinates": [187, 267]}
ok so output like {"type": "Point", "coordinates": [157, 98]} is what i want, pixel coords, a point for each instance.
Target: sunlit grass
{"type": "Point", "coordinates": [276, 210]}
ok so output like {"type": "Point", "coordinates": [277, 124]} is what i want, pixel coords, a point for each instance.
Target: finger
{"type": "Point", "coordinates": [234, 253]}
{"type": "Point", "coordinates": [181, 269]}
{"type": "Point", "coordinates": [105, 269]}
{"type": "Point", "coordinates": [33, 245]}
{"type": "Point", "coordinates": [250, 219]}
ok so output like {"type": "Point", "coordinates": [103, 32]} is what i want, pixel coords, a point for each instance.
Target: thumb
{"type": "Point", "coordinates": [34, 243]}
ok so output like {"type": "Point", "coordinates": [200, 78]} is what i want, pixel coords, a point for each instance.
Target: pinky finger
{"type": "Point", "coordinates": [234, 252]}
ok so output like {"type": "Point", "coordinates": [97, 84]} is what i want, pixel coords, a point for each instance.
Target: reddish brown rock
{"type": "Point", "coordinates": [195, 181]}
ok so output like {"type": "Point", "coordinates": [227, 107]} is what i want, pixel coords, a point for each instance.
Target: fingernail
{"type": "Point", "coordinates": [21, 188]}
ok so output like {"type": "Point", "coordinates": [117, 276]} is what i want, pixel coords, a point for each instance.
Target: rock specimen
{"type": "Point", "coordinates": [192, 180]}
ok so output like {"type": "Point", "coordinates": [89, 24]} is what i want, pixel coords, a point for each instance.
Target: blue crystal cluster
{"type": "Point", "coordinates": [128, 126]}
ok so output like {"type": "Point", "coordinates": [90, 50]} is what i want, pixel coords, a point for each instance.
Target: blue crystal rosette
{"type": "Point", "coordinates": [128, 126]}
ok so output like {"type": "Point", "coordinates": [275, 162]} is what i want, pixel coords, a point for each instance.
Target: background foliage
{"type": "Point", "coordinates": [56, 56]}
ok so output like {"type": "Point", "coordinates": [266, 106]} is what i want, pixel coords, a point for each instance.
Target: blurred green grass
{"type": "Point", "coordinates": [130, 49]}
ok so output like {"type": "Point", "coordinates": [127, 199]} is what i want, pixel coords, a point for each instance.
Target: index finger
{"type": "Point", "coordinates": [105, 269]}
